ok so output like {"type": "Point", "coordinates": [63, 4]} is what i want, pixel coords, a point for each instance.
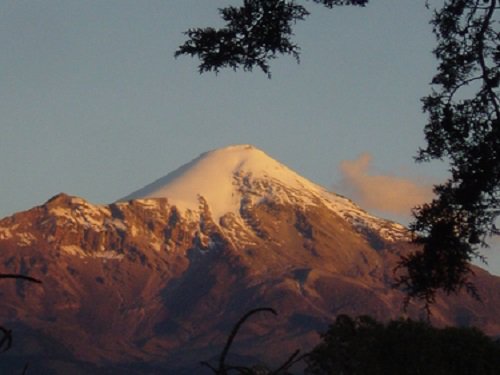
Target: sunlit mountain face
{"type": "Point", "coordinates": [154, 282]}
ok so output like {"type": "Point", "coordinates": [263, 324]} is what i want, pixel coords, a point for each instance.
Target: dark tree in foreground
{"type": "Point", "coordinates": [255, 33]}
{"type": "Point", "coordinates": [364, 346]}
{"type": "Point", "coordinates": [463, 126]}
{"type": "Point", "coordinates": [464, 129]}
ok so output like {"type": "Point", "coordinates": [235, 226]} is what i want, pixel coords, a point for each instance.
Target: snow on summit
{"type": "Point", "coordinates": [212, 176]}
{"type": "Point", "coordinates": [228, 177]}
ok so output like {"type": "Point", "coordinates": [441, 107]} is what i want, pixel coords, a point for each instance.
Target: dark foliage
{"type": "Point", "coordinates": [404, 347]}
{"type": "Point", "coordinates": [464, 129]}
{"type": "Point", "coordinates": [255, 33]}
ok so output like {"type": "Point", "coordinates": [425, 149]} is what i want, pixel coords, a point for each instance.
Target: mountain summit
{"type": "Point", "coordinates": [153, 283]}
{"type": "Point", "coordinates": [229, 179]}
{"type": "Point", "coordinates": [219, 177]}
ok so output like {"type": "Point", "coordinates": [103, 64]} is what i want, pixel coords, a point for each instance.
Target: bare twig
{"type": "Point", "coordinates": [22, 277]}
{"type": "Point", "coordinates": [235, 330]}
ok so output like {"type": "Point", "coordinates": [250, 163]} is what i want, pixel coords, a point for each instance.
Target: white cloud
{"type": "Point", "coordinates": [389, 195]}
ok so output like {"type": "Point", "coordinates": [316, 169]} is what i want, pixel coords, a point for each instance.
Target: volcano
{"type": "Point", "coordinates": [154, 282]}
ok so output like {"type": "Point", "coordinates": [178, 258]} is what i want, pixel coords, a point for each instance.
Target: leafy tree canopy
{"type": "Point", "coordinates": [255, 33]}
{"type": "Point", "coordinates": [463, 127]}
{"type": "Point", "coordinates": [463, 121]}
{"type": "Point", "coordinates": [364, 346]}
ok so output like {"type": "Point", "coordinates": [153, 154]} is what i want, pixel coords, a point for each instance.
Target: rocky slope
{"type": "Point", "coordinates": [154, 282]}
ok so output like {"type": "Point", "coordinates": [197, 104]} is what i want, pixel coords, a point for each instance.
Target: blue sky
{"type": "Point", "coordinates": [93, 103]}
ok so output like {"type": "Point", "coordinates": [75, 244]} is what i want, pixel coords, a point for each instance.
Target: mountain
{"type": "Point", "coordinates": [154, 282]}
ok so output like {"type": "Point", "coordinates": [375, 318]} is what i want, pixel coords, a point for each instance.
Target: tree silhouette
{"type": "Point", "coordinates": [464, 128]}
{"type": "Point", "coordinates": [463, 122]}
{"type": "Point", "coordinates": [363, 346]}
{"type": "Point", "coordinates": [255, 33]}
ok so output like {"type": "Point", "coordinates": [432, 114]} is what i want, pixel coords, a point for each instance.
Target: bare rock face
{"type": "Point", "coordinates": [153, 285]}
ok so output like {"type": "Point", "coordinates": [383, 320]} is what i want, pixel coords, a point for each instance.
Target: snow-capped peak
{"type": "Point", "coordinates": [226, 178]}
{"type": "Point", "coordinates": [212, 176]}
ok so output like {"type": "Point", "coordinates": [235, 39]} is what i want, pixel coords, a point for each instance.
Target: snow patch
{"type": "Point", "coordinates": [82, 213]}
{"type": "Point", "coordinates": [62, 212]}
{"type": "Point", "coordinates": [156, 244]}
{"type": "Point", "coordinates": [73, 250]}
{"type": "Point", "coordinates": [25, 239]}
{"type": "Point", "coordinates": [108, 254]}
{"type": "Point", "coordinates": [151, 204]}
{"type": "Point", "coordinates": [116, 223]}
{"type": "Point", "coordinates": [78, 251]}
{"type": "Point", "coordinates": [5, 233]}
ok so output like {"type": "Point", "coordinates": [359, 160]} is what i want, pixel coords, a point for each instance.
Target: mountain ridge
{"type": "Point", "coordinates": [144, 286]}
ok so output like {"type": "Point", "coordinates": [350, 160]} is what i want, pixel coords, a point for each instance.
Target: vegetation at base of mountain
{"type": "Point", "coordinates": [463, 127]}
{"type": "Point", "coordinates": [364, 346]}
{"type": "Point", "coordinates": [404, 347]}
